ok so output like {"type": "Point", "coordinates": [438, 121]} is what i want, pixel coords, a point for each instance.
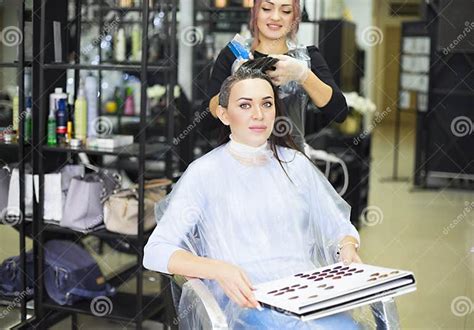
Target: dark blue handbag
{"type": "Point", "coordinates": [71, 274]}
{"type": "Point", "coordinates": [11, 276]}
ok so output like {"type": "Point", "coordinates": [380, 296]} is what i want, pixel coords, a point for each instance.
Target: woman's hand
{"type": "Point", "coordinates": [288, 69]}
{"type": "Point", "coordinates": [348, 254]}
{"type": "Point", "coordinates": [235, 284]}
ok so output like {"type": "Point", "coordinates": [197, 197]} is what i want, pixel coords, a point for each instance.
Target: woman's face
{"type": "Point", "coordinates": [275, 19]}
{"type": "Point", "coordinates": [251, 111]}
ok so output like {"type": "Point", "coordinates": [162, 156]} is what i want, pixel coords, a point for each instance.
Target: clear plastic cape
{"type": "Point", "coordinates": [238, 205]}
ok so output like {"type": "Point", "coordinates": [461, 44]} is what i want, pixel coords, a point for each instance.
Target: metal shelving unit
{"type": "Point", "coordinates": [129, 308]}
{"type": "Point", "coordinates": [443, 156]}
{"type": "Point", "coordinates": [20, 147]}
{"type": "Point", "coordinates": [211, 18]}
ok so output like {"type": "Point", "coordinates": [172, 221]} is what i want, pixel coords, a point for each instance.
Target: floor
{"type": "Point", "coordinates": [430, 232]}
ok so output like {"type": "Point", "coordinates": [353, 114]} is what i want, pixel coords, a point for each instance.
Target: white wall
{"type": "Point", "coordinates": [361, 11]}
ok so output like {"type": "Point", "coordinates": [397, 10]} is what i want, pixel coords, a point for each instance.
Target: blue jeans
{"type": "Point", "coordinates": [269, 319]}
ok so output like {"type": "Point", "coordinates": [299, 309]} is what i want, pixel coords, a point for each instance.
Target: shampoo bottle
{"type": "Point", "coordinates": [80, 116]}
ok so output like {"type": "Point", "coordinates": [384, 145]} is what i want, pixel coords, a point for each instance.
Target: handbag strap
{"type": "Point", "coordinates": [155, 183]}
{"type": "Point", "coordinates": [133, 190]}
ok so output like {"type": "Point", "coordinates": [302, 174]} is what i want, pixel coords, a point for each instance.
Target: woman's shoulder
{"type": "Point", "coordinates": [312, 49]}
{"type": "Point", "coordinates": [314, 53]}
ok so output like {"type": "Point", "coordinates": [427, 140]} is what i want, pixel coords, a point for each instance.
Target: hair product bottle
{"type": "Point", "coordinates": [80, 115]}
{"type": "Point", "coordinates": [52, 128]}
{"type": "Point", "coordinates": [28, 131]}
{"type": "Point", "coordinates": [120, 45]}
{"type": "Point", "coordinates": [61, 122]}
{"type": "Point", "coordinates": [16, 110]}
{"type": "Point", "coordinates": [91, 98]}
{"type": "Point", "coordinates": [129, 103]}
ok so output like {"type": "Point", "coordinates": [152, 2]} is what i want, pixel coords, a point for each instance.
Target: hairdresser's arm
{"type": "Point", "coordinates": [331, 101]}
{"type": "Point", "coordinates": [319, 92]}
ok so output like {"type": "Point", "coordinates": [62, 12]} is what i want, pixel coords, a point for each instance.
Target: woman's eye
{"type": "Point", "coordinates": [268, 104]}
{"type": "Point", "coordinates": [245, 106]}
{"type": "Point", "coordinates": [266, 9]}
{"type": "Point", "coordinates": [287, 12]}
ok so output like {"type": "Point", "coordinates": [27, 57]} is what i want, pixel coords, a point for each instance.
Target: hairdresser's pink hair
{"type": "Point", "coordinates": [253, 21]}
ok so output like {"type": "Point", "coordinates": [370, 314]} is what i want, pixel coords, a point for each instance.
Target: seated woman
{"type": "Point", "coordinates": [252, 210]}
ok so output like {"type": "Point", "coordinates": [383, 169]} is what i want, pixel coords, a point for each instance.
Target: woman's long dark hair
{"type": "Point", "coordinates": [254, 69]}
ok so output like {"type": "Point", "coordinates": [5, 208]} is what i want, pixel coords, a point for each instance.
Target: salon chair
{"type": "Point", "coordinates": [205, 309]}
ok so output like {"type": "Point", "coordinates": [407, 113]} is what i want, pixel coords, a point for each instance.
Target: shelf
{"type": "Point", "coordinates": [425, 73]}
{"type": "Point", "coordinates": [96, 21]}
{"type": "Point", "coordinates": [129, 150]}
{"type": "Point", "coordinates": [136, 9]}
{"type": "Point", "coordinates": [165, 67]}
{"type": "Point", "coordinates": [203, 62]}
{"type": "Point", "coordinates": [448, 92]}
{"type": "Point", "coordinates": [12, 145]}
{"type": "Point", "coordinates": [416, 54]}
{"type": "Point", "coordinates": [225, 9]}
{"type": "Point", "coordinates": [8, 65]}
{"type": "Point", "coordinates": [14, 64]}
{"type": "Point", "coordinates": [15, 144]}
{"type": "Point", "coordinates": [102, 233]}
{"type": "Point", "coordinates": [14, 301]}
{"type": "Point", "coordinates": [129, 308]}
{"type": "Point", "coordinates": [122, 307]}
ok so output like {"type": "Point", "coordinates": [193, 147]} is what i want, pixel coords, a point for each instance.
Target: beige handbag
{"type": "Point", "coordinates": [121, 207]}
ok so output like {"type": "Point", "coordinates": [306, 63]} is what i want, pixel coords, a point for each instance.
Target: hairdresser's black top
{"type": "Point", "coordinates": [336, 109]}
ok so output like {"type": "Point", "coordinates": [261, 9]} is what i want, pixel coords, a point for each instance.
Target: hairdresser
{"type": "Point", "coordinates": [300, 72]}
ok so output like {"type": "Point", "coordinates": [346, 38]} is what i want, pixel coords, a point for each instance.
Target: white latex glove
{"type": "Point", "coordinates": [288, 69]}
{"type": "Point", "coordinates": [239, 61]}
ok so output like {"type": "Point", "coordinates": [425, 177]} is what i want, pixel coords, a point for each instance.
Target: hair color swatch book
{"type": "Point", "coordinates": [333, 289]}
